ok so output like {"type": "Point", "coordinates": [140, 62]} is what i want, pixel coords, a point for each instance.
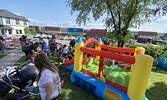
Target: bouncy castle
{"type": "Point", "coordinates": [109, 82]}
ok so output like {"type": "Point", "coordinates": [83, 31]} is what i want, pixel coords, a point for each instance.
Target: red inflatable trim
{"type": "Point", "coordinates": [91, 40]}
{"type": "Point", "coordinates": [129, 50]}
{"type": "Point", "coordinates": [89, 73]}
{"type": "Point", "coordinates": [116, 56]}
{"type": "Point", "coordinates": [123, 88]}
{"type": "Point", "coordinates": [69, 62]}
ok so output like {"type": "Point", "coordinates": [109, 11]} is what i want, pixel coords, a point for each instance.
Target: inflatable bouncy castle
{"type": "Point", "coordinates": [109, 82]}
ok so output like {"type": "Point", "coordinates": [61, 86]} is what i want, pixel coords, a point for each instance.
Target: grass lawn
{"type": "Point", "coordinates": [1, 54]}
{"type": "Point", "coordinates": [156, 88]}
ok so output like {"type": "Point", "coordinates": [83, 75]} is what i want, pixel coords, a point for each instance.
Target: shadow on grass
{"type": "Point", "coordinates": [71, 91]}
{"type": "Point", "coordinates": [159, 70]}
{"type": "Point", "coordinates": [157, 92]}
{"type": "Point", "coordinates": [1, 54]}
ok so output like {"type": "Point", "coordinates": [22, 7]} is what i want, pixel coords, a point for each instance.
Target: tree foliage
{"type": "Point", "coordinates": [120, 15]}
{"type": "Point", "coordinates": [33, 30]}
{"type": "Point", "coordinates": [26, 30]}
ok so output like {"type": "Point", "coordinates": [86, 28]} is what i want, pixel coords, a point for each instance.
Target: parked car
{"type": "Point", "coordinates": [71, 38]}
{"type": "Point", "coordinates": [36, 35]}
{"type": "Point", "coordinates": [49, 36]}
{"type": "Point", "coordinates": [56, 36]}
{"type": "Point", "coordinates": [159, 42]}
{"type": "Point", "coordinates": [9, 41]}
{"type": "Point", "coordinates": [63, 38]}
{"type": "Point", "coordinates": [43, 35]}
{"type": "Point", "coordinates": [33, 40]}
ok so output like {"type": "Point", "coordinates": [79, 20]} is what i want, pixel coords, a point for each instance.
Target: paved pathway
{"type": "Point", "coordinates": [10, 59]}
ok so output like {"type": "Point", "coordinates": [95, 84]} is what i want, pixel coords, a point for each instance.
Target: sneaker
{"type": "Point", "coordinates": [62, 81]}
{"type": "Point", "coordinates": [62, 74]}
{"type": "Point", "coordinates": [68, 73]}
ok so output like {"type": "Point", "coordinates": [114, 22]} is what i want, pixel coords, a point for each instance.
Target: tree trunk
{"type": "Point", "coordinates": [120, 43]}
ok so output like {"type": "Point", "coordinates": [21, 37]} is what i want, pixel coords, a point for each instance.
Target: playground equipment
{"type": "Point", "coordinates": [108, 89]}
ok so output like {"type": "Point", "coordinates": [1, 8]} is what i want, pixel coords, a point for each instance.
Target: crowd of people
{"type": "Point", "coordinates": [53, 48]}
{"type": "Point", "coordinates": [48, 78]}
{"type": "Point", "coordinates": [49, 82]}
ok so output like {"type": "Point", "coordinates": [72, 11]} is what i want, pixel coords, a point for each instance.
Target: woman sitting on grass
{"type": "Point", "coordinates": [48, 78]}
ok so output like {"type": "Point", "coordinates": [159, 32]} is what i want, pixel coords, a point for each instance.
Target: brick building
{"type": "Point", "coordinates": [96, 32]}
{"type": "Point", "coordinates": [146, 37]}
{"type": "Point", "coordinates": [52, 30]}
{"type": "Point", "coordinates": [38, 29]}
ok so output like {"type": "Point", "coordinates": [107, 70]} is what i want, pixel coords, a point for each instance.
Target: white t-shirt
{"type": "Point", "coordinates": [65, 50]}
{"type": "Point", "coordinates": [46, 77]}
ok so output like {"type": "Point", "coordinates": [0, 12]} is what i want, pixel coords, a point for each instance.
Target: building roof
{"type": "Point", "coordinates": [148, 33]}
{"type": "Point", "coordinates": [5, 13]}
{"type": "Point", "coordinates": [5, 27]}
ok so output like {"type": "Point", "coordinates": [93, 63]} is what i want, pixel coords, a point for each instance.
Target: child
{"type": "Point", "coordinates": [88, 60]}
{"type": "Point", "coordinates": [52, 44]}
{"type": "Point", "coordinates": [69, 55]}
{"type": "Point", "coordinates": [156, 59]}
{"type": "Point", "coordinates": [65, 50]}
{"type": "Point", "coordinates": [43, 44]}
{"type": "Point", "coordinates": [32, 50]}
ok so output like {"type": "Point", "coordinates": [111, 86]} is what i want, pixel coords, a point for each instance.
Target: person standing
{"type": "Point", "coordinates": [25, 45]}
{"type": "Point", "coordinates": [3, 45]}
{"type": "Point", "coordinates": [106, 42]}
{"type": "Point", "coordinates": [48, 78]}
{"type": "Point", "coordinates": [43, 45]}
{"type": "Point", "coordinates": [72, 43]}
{"type": "Point", "coordinates": [52, 45]}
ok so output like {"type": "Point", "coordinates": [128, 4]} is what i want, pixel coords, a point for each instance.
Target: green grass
{"type": "Point", "coordinates": [1, 54]}
{"type": "Point", "coordinates": [156, 87]}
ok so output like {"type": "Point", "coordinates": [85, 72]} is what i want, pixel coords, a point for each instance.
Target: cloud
{"type": "Point", "coordinates": [69, 24]}
{"type": "Point", "coordinates": [66, 24]}
{"type": "Point", "coordinates": [40, 23]}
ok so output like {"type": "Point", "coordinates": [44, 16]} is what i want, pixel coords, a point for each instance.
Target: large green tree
{"type": "Point", "coordinates": [120, 15]}
{"type": "Point", "coordinates": [26, 30]}
{"type": "Point", "coordinates": [33, 31]}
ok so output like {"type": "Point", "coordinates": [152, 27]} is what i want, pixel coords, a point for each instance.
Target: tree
{"type": "Point", "coordinates": [26, 30]}
{"type": "Point", "coordinates": [121, 14]}
{"type": "Point", "coordinates": [33, 30]}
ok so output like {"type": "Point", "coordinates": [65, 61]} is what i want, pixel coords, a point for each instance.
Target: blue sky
{"type": "Point", "coordinates": [56, 13]}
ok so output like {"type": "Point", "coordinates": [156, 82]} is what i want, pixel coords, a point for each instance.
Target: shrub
{"type": "Point", "coordinates": [151, 50]}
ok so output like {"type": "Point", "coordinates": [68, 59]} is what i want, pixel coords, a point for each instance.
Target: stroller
{"type": "Point", "coordinates": [22, 80]}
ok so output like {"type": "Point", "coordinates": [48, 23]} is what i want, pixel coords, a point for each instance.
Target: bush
{"type": "Point", "coordinates": [151, 50]}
